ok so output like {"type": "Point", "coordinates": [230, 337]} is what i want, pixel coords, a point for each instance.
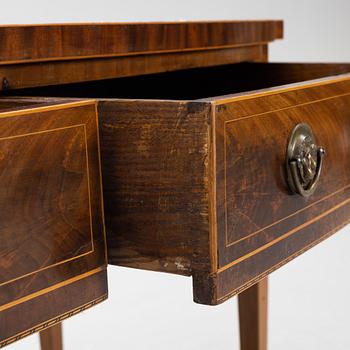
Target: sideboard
{"type": "Point", "coordinates": [195, 154]}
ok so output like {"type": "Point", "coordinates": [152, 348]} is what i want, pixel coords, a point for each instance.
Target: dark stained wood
{"type": "Point", "coordinates": [52, 307]}
{"type": "Point", "coordinates": [164, 168]}
{"type": "Point", "coordinates": [257, 235]}
{"type": "Point", "coordinates": [206, 84]}
{"type": "Point", "coordinates": [258, 209]}
{"type": "Point", "coordinates": [146, 151]}
{"type": "Point", "coordinates": [64, 211]}
{"type": "Point", "coordinates": [11, 104]}
{"type": "Point", "coordinates": [63, 72]}
{"type": "Point", "coordinates": [52, 229]}
{"type": "Point", "coordinates": [194, 187]}
{"type": "Point", "coordinates": [142, 177]}
{"type": "Point", "coordinates": [51, 338]}
{"type": "Point", "coordinates": [29, 43]}
{"type": "Point", "coordinates": [42, 55]}
{"type": "Point", "coordinates": [253, 317]}
{"type": "Point", "coordinates": [154, 157]}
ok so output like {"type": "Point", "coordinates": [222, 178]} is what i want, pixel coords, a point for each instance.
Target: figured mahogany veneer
{"type": "Point", "coordinates": [52, 242]}
{"type": "Point", "coordinates": [52, 245]}
{"type": "Point", "coordinates": [259, 224]}
{"type": "Point", "coordinates": [30, 43]}
{"type": "Point", "coordinates": [193, 163]}
{"type": "Point", "coordinates": [197, 186]}
{"type": "Point", "coordinates": [41, 55]}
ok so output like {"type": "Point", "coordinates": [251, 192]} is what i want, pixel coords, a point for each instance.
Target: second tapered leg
{"type": "Point", "coordinates": [51, 338]}
{"type": "Point", "coordinates": [253, 317]}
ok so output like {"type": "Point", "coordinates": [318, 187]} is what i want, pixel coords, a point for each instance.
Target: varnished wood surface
{"type": "Point", "coordinates": [52, 232]}
{"type": "Point", "coordinates": [42, 55]}
{"type": "Point", "coordinates": [52, 307]}
{"type": "Point", "coordinates": [257, 208]}
{"type": "Point", "coordinates": [31, 234]}
{"type": "Point", "coordinates": [324, 105]}
{"type": "Point", "coordinates": [73, 71]}
{"type": "Point", "coordinates": [12, 104]}
{"type": "Point", "coordinates": [253, 304]}
{"type": "Point", "coordinates": [51, 338]}
{"type": "Point", "coordinates": [29, 43]}
{"type": "Point", "coordinates": [258, 232]}
{"type": "Point", "coordinates": [165, 164]}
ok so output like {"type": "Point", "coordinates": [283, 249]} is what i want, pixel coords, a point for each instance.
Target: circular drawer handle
{"type": "Point", "coordinates": [304, 161]}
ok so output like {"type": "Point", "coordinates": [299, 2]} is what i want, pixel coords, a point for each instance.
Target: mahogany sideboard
{"type": "Point", "coordinates": [215, 163]}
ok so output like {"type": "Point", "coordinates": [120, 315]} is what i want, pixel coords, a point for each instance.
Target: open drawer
{"type": "Point", "coordinates": [197, 185]}
{"type": "Point", "coordinates": [52, 242]}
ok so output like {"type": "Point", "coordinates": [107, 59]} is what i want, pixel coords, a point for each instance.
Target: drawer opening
{"type": "Point", "coordinates": [192, 84]}
{"type": "Point", "coordinates": [8, 105]}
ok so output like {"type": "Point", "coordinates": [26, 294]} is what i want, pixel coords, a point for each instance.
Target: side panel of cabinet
{"type": "Point", "coordinates": [52, 242]}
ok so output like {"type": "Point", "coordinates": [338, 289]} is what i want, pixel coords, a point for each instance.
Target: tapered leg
{"type": "Point", "coordinates": [253, 317]}
{"type": "Point", "coordinates": [51, 338]}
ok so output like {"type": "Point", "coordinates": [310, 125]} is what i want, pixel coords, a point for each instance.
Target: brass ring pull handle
{"type": "Point", "coordinates": [304, 161]}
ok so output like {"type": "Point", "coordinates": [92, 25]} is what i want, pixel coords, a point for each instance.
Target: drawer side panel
{"type": "Point", "coordinates": [155, 174]}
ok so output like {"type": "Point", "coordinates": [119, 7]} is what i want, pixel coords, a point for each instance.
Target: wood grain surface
{"type": "Point", "coordinates": [42, 55]}
{"type": "Point", "coordinates": [52, 231]}
{"type": "Point", "coordinates": [253, 310]}
{"type": "Point", "coordinates": [51, 338]}
{"type": "Point", "coordinates": [260, 225]}
{"type": "Point", "coordinates": [52, 307]}
{"type": "Point", "coordinates": [33, 43]}
{"type": "Point", "coordinates": [197, 187]}
{"type": "Point", "coordinates": [14, 104]}
{"type": "Point", "coordinates": [258, 208]}
{"type": "Point", "coordinates": [154, 165]}
{"type": "Point", "coordinates": [73, 71]}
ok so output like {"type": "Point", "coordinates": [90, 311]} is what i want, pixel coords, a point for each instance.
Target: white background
{"type": "Point", "coordinates": [309, 297]}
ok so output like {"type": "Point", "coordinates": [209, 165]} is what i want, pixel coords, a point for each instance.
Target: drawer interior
{"type": "Point", "coordinates": [8, 105]}
{"type": "Point", "coordinates": [193, 84]}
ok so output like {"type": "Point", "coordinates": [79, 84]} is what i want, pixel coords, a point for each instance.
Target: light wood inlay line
{"type": "Point", "coordinates": [212, 197]}
{"type": "Point", "coordinates": [289, 216]}
{"type": "Point", "coordinates": [89, 196]}
{"type": "Point", "coordinates": [284, 236]}
{"type": "Point", "coordinates": [228, 244]}
{"type": "Point", "coordinates": [101, 184]}
{"type": "Point", "coordinates": [280, 89]}
{"type": "Point", "coordinates": [31, 110]}
{"type": "Point", "coordinates": [281, 263]}
{"type": "Point", "coordinates": [287, 108]}
{"type": "Point", "coordinates": [51, 322]}
{"type": "Point", "coordinates": [89, 187]}
{"type": "Point", "coordinates": [50, 289]}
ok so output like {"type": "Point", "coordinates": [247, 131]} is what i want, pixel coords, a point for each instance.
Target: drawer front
{"type": "Point", "coordinates": [260, 224]}
{"type": "Point", "coordinates": [52, 243]}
